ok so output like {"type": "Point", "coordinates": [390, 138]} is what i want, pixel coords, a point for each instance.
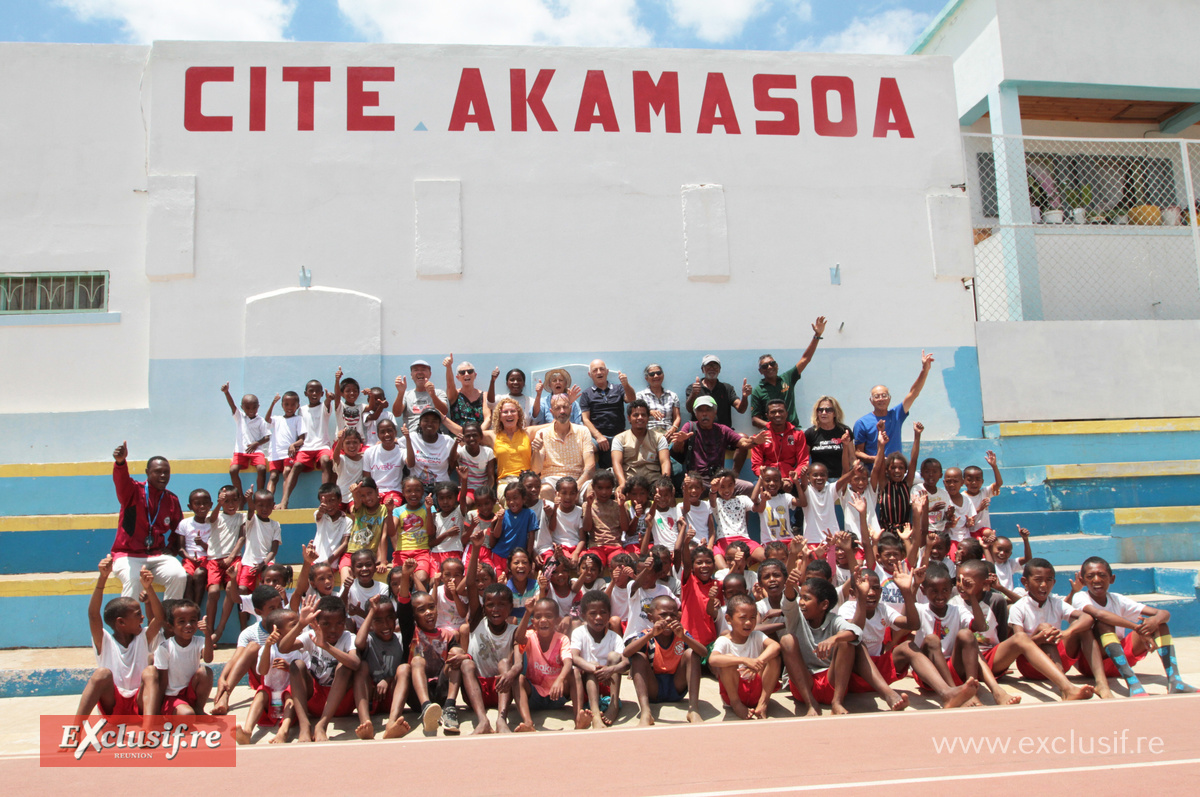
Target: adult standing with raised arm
{"type": "Point", "coordinates": [775, 385]}
{"type": "Point", "coordinates": [866, 430]}
{"type": "Point", "coordinates": [466, 403]}
{"type": "Point", "coordinates": [725, 398]}
{"type": "Point", "coordinates": [146, 527]}
{"type": "Point", "coordinates": [409, 403]}
{"type": "Point", "coordinates": [603, 409]}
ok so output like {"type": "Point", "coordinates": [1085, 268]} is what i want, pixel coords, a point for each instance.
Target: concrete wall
{"type": "Point", "coordinates": [512, 247]}
{"type": "Point", "coordinates": [1064, 370]}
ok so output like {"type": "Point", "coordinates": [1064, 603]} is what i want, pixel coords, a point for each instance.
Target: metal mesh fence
{"type": "Point", "coordinates": [1084, 229]}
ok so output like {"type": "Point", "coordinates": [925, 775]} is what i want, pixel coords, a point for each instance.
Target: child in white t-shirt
{"type": "Point", "coordinates": [385, 462]}
{"type": "Point", "coordinates": [448, 528]}
{"type": "Point", "coordinates": [662, 520]}
{"type": "Point", "coordinates": [325, 678]}
{"type": "Point", "coordinates": [979, 498]}
{"type": "Point", "coordinates": [251, 435]}
{"type": "Point", "coordinates": [333, 527]}
{"type": "Point", "coordinates": [960, 517]}
{"type": "Point", "coordinates": [746, 661]}
{"type": "Point", "coordinates": [479, 462]}
{"type": "Point", "coordinates": [429, 454]}
{"type": "Point", "coordinates": [818, 495]}
{"type": "Point", "coordinates": [194, 532]}
{"type": "Point", "coordinates": [696, 512]}
{"type": "Point", "coordinates": [564, 523]}
{"type": "Point", "coordinates": [224, 547]}
{"type": "Point", "coordinates": [311, 450]}
{"type": "Point", "coordinates": [729, 515]}
{"type": "Point", "coordinates": [347, 413]}
{"type": "Point", "coordinates": [188, 681]}
{"type": "Point", "coordinates": [598, 659]}
{"type": "Point", "coordinates": [357, 592]}
{"type": "Point", "coordinates": [775, 518]}
{"type": "Point", "coordinates": [863, 485]}
{"type": "Point", "coordinates": [939, 500]}
{"type": "Point", "coordinates": [348, 461]}
{"type": "Point", "coordinates": [284, 431]}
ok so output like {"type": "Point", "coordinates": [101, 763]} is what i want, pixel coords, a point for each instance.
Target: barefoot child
{"type": "Point", "coordinates": [194, 533]}
{"type": "Point", "coordinates": [979, 620]}
{"type": "Point", "coordinates": [413, 527]}
{"type": "Point", "coordinates": [947, 635]}
{"type": "Point", "coordinates": [264, 599]}
{"type": "Point", "coordinates": [383, 680]}
{"type": "Point", "coordinates": [183, 682]}
{"type": "Point", "coordinates": [312, 447]}
{"type": "Point", "coordinates": [544, 664]}
{"type": "Point", "coordinates": [746, 661]}
{"type": "Point", "coordinates": [252, 434]}
{"type": "Point", "coordinates": [225, 541]}
{"type": "Point", "coordinates": [284, 431]}
{"type": "Point", "coordinates": [1122, 649]}
{"type": "Point", "coordinates": [665, 662]}
{"type": "Point", "coordinates": [263, 536]}
{"type": "Point", "coordinates": [125, 680]}
{"type": "Point", "coordinates": [696, 586]}
{"type": "Point", "coordinates": [598, 660]}
{"type": "Point", "coordinates": [820, 651]}
{"type": "Point", "coordinates": [272, 704]}
{"type": "Point", "coordinates": [322, 685]}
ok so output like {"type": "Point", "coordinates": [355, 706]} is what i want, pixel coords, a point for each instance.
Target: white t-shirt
{"type": "Point", "coordinates": [415, 403]}
{"type": "Point", "coordinates": [765, 606]}
{"type": "Point", "coordinates": [937, 518]}
{"type": "Point", "coordinates": [278, 680]}
{"type": "Point", "coordinates": [252, 633]}
{"type": "Point", "coordinates": [592, 651]}
{"type": "Point", "coordinates": [730, 516]}
{"type": "Point", "coordinates": [665, 530]}
{"type": "Point", "coordinates": [385, 467]}
{"type": "Point", "coordinates": [488, 649]}
{"type": "Point", "coordinates": [442, 524]}
{"type": "Point", "coordinates": [359, 597]}
{"type": "Point", "coordinates": [331, 533]}
{"type": "Point", "coordinates": [889, 592]}
{"type": "Point", "coordinates": [350, 416]}
{"type": "Point", "coordinates": [988, 638]}
{"type": "Point", "coordinates": [180, 663]}
{"type": "Point", "coordinates": [752, 648]}
{"type": "Point", "coordinates": [619, 598]}
{"type": "Point", "coordinates": [872, 632]}
{"type": "Point", "coordinates": [958, 529]}
{"type": "Point", "coordinates": [259, 536]}
{"type": "Point", "coordinates": [1115, 603]}
{"type": "Point", "coordinates": [314, 425]}
{"type": "Point", "coordinates": [1028, 615]}
{"type": "Point", "coordinates": [447, 610]}
{"type": "Point", "coordinates": [566, 531]}
{"type": "Point", "coordinates": [321, 664]}
{"type": "Point", "coordinates": [698, 517]}
{"type": "Point", "coordinates": [224, 531]}
{"type": "Point", "coordinates": [820, 515]}
{"type": "Point", "coordinates": [1005, 571]}
{"type": "Point", "coordinates": [248, 430]}
{"type": "Point", "coordinates": [853, 521]}
{"type": "Point", "coordinates": [195, 537]}
{"type": "Point", "coordinates": [750, 576]}
{"type": "Point", "coordinates": [348, 472]}
{"type": "Point", "coordinates": [944, 628]}
{"type": "Point", "coordinates": [125, 663]}
{"type": "Point", "coordinates": [775, 521]}
{"type": "Point", "coordinates": [371, 427]}
{"type": "Point", "coordinates": [983, 517]}
{"type": "Point", "coordinates": [476, 465]}
{"type": "Point", "coordinates": [637, 613]}
{"type": "Point", "coordinates": [431, 460]}
{"type": "Point", "coordinates": [284, 432]}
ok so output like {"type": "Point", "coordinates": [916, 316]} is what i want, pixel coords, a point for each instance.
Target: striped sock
{"type": "Point", "coordinates": [1166, 651]}
{"type": "Point", "coordinates": [1113, 649]}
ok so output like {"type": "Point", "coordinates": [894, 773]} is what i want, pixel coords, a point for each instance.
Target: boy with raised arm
{"type": "Point", "coordinates": [312, 448]}
{"type": "Point", "coordinates": [252, 434]}
{"type": "Point", "coordinates": [322, 684]}
{"type": "Point", "coordinates": [125, 681]}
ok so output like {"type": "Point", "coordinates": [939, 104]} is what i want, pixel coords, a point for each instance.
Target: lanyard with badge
{"type": "Point", "coordinates": [152, 518]}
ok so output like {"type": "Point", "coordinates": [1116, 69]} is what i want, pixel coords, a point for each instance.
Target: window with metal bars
{"type": "Point", "coordinates": [54, 292]}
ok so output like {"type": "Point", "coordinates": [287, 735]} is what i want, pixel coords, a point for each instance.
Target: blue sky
{"type": "Point", "coordinates": [872, 26]}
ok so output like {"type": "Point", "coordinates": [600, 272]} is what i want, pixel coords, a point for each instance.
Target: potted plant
{"type": "Point", "coordinates": [1078, 200]}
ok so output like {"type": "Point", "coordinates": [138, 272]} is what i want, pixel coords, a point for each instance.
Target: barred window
{"type": "Point", "coordinates": [54, 292]}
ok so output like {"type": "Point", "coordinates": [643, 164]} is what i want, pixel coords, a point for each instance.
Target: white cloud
{"type": "Point", "coordinates": [720, 20]}
{"type": "Point", "coordinates": [890, 32]}
{"type": "Point", "coordinates": [549, 22]}
{"type": "Point", "coordinates": [147, 20]}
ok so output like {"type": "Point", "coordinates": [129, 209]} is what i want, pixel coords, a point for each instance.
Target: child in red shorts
{"type": "Point", "coordinates": [597, 661]}
{"type": "Point", "coordinates": [272, 705]}
{"type": "Point", "coordinates": [194, 533]}
{"type": "Point", "coordinates": [729, 515]}
{"type": "Point", "coordinates": [313, 447]}
{"type": "Point", "coordinates": [123, 675]}
{"type": "Point", "coordinates": [324, 684]}
{"type": "Point", "coordinates": [252, 434]}
{"type": "Point", "coordinates": [746, 661]}
{"type": "Point", "coordinates": [183, 681]}
{"type": "Point", "coordinates": [413, 529]}
{"type": "Point", "coordinates": [225, 543]}
{"type": "Point", "coordinates": [284, 431]}
{"type": "Point", "coordinates": [605, 523]}
{"type": "Point", "coordinates": [263, 536]}
{"type": "Point", "coordinates": [383, 679]}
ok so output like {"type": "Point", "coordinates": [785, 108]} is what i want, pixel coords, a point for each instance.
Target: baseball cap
{"type": "Point", "coordinates": [704, 401]}
{"type": "Point", "coordinates": [429, 410]}
{"type": "Point", "coordinates": [415, 363]}
{"type": "Point", "coordinates": [710, 358]}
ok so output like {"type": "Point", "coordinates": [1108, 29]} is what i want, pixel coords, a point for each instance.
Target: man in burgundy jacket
{"type": "Point", "coordinates": [785, 447]}
{"type": "Point", "coordinates": [149, 517]}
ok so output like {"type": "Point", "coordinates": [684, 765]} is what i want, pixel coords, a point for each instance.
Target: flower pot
{"type": "Point", "coordinates": [1079, 216]}
{"type": "Point", "coordinates": [1053, 217]}
{"type": "Point", "coordinates": [1145, 215]}
{"type": "Point", "coordinates": [1035, 213]}
{"type": "Point", "coordinates": [1171, 217]}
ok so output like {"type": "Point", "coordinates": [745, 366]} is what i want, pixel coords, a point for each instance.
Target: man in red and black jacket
{"type": "Point", "coordinates": [149, 517]}
{"type": "Point", "coordinates": [786, 447]}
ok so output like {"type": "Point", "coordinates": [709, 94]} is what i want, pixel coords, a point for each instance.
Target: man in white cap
{"type": "Point", "coordinates": [722, 393]}
{"type": "Point", "coordinates": [704, 442]}
{"type": "Point", "coordinates": [409, 403]}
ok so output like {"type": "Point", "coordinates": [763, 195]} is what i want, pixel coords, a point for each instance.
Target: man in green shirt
{"type": "Point", "coordinates": [775, 385]}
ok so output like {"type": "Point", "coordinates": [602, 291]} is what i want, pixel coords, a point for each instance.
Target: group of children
{"type": "Point", "coordinates": [417, 591]}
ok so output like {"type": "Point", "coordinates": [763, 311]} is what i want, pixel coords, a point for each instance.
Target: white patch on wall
{"type": "Point", "coordinates": [171, 226]}
{"type": "Point", "coordinates": [275, 323]}
{"type": "Point", "coordinates": [705, 233]}
{"type": "Point", "coordinates": [950, 235]}
{"type": "Point", "coordinates": [438, 245]}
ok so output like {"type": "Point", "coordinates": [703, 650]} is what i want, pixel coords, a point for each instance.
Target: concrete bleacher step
{"type": "Point", "coordinates": [1074, 442]}
{"type": "Point", "coordinates": [1109, 485]}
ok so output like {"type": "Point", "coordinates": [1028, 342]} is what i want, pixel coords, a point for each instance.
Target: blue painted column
{"type": "Point", "coordinates": [1017, 242]}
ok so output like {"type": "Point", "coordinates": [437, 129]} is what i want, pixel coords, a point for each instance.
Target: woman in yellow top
{"type": "Point", "coordinates": [509, 441]}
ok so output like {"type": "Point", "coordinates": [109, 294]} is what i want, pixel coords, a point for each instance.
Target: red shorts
{"type": "Point", "coordinates": [422, 558]}
{"type": "Point", "coordinates": [247, 461]}
{"type": "Point", "coordinates": [955, 678]}
{"type": "Point", "coordinates": [1110, 666]}
{"type": "Point", "coordinates": [1034, 674]}
{"type": "Point", "coordinates": [247, 577]}
{"type": "Point", "coordinates": [886, 667]}
{"type": "Point", "coordinates": [316, 703]}
{"type": "Point", "coordinates": [219, 574]}
{"type": "Point", "coordinates": [201, 563]}
{"type": "Point", "coordinates": [822, 690]}
{"type": "Point", "coordinates": [606, 552]}
{"type": "Point", "coordinates": [382, 703]}
{"type": "Point", "coordinates": [278, 465]}
{"type": "Point", "coordinates": [498, 563]}
{"type": "Point", "coordinates": [396, 498]}
{"type": "Point", "coordinates": [122, 706]}
{"type": "Point", "coordinates": [989, 657]}
{"type": "Point", "coordinates": [491, 698]}
{"type": "Point", "coordinates": [749, 692]}
{"type": "Point", "coordinates": [307, 460]}
{"type": "Point", "coordinates": [439, 557]}
{"type": "Point", "coordinates": [634, 550]}
{"type": "Point", "coordinates": [186, 697]}
{"type": "Point", "coordinates": [270, 718]}
{"type": "Point", "coordinates": [722, 545]}
{"type": "Point", "coordinates": [548, 554]}
{"type": "Point", "coordinates": [979, 532]}
{"type": "Point", "coordinates": [344, 561]}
